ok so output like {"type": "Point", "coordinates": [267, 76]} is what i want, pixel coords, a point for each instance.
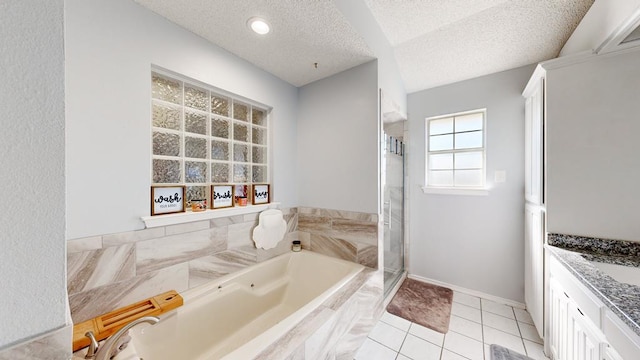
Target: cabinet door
{"type": "Point", "coordinates": [534, 264]}
{"type": "Point", "coordinates": [586, 342]}
{"type": "Point", "coordinates": [534, 122]}
{"type": "Point", "coordinates": [610, 354]}
{"type": "Point", "coordinates": [560, 337]}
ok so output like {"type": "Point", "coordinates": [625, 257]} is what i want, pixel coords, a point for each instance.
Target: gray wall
{"type": "Point", "coordinates": [110, 46]}
{"type": "Point", "coordinates": [593, 169]}
{"type": "Point", "coordinates": [32, 270]}
{"type": "Point", "coordinates": [337, 141]}
{"type": "Point", "coordinates": [475, 242]}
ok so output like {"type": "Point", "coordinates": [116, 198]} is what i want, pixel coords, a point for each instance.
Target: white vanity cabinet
{"type": "Point", "coordinates": [581, 327]}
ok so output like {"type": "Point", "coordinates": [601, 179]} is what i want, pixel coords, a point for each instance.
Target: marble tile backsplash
{"type": "Point", "coordinates": [110, 271]}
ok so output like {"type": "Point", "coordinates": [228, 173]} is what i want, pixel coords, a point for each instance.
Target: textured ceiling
{"type": "Point", "coordinates": [303, 32]}
{"type": "Point", "coordinates": [435, 42]}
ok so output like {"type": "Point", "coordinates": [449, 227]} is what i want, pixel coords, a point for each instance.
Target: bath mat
{"type": "Point", "coordinates": [425, 304]}
{"type": "Point", "coordinates": [502, 353]}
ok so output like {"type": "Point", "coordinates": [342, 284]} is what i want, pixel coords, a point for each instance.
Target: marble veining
{"type": "Point", "coordinates": [90, 269]}
{"type": "Point", "coordinates": [54, 345]}
{"type": "Point", "coordinates": [223, 263]}
{"type": "Point", "coordinates": [622, 299]}
{"type": "Point", "coordinates": [334, 247]}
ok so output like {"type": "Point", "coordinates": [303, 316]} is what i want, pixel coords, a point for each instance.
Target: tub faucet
{"type": "Point", "coordinates": [104, 352]}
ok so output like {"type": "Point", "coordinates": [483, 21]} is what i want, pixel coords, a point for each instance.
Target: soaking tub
{"type": "Point", "coordinates": [241, 314]}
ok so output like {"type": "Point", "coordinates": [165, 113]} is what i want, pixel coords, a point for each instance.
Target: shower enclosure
{"type": "Point", "coordinates": [392, 184]}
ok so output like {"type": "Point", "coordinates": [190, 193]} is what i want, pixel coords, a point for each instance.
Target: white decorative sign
{"type": "Point", "coordinates": [261, 194]}
{"type": "Point", "coordinates": [167, 199]}
{"type": "Point", "coordinates": [222, 196]}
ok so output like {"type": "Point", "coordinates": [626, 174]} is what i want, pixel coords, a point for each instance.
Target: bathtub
{"type": "Point", "coordinates": [241, 314]}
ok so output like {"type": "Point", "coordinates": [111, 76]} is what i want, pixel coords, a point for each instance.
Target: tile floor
{"type": "Point", "coordinates": [475, 324]}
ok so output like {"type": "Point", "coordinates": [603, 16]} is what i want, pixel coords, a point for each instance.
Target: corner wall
{"type": "Point", "coordinates": [472, 241]}
{"type": "Point", "coordinates": [32, 274]}
{"type": "Point", "coordinates": [110, 46]}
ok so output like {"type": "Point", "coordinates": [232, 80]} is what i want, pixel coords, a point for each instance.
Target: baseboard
{"type": "Point", "coordinates": [392, 293]}
{"type": "Point", "coordinates": [479, 294]}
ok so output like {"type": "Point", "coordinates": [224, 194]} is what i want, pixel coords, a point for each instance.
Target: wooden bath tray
{"type": "Point", "coordinates": [106, 325]}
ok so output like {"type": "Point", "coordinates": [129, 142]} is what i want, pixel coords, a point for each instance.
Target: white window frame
{"type": "Point", "coordinates": [453, 189]}
{"type": "Point", "coordinates": [232, 98]}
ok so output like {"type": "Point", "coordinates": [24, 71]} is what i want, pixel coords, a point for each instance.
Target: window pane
{"type": "Point", "coordinates": [440, 142]}
{"type": "Point", "coordinates": [441, 162]}
{"type": "Point", "coordinates": [195, 147]}
{"type": "Point", "coordinates": [219, 105]}
{"type": "Point", "coordinates": [219, 150]}
{"type": "Point", "coordinates": [166, 171]}
{"type": "Point", "coordinates": [259, 174]}
{"type": "Point", "coordinates": [196, 193]}
{"type": "Point", "coordinates": [469, 160]}
{"type": "Point", "coordinates": [166, 144]}
{"type": "Point", "coordinates": [166, 89]}
{"type": "Point", "coordinates": [195, 123]}
{"type": "Point", "coordinates": [166, 117]}
{"type": "Point", "coordinates": [240, 153]}
{"type": "Point", "coordinates": [469, 122]}
{"type": "Point", "coordinates": [240, 111]}
{"type": "Point", "coordinates": [441, 126]}
{"type": "Point", "coordinates": [195, 171]}
{"type": "Point", "coordinates": [240, 132]}
{"type": "Point", "coordinates": [196, 98]}
{"type": "Point", "coordinates": [259, 136]}
{"type": "Point", "coordinates": [220, 128]}
{"type": "Point", "coordinates": [259, 155]}
{"type": "Point", "coordinates": [240, 173]}
{"type": "Point", "coordinates": [469, 140]}
{"type": "Point", "coordinates": [259, 117]}
{"type": "Point", "coordinates": [468, 178]}
{"type": "Point", "coordinates": [441, 178]}
{"type": "Point", "coordinates": [219, 173]}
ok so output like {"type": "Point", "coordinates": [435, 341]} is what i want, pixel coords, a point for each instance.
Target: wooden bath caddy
{"type": "Point", "coordinates": [106, 325]}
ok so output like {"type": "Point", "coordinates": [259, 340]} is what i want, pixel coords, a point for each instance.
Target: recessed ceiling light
{"type": "Point", "coordinates": [258, 25]}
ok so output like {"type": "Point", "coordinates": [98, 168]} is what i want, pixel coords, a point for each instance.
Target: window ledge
{"type": "Point", "coordinates": [455, 191]}
{"type": "Point", "coordinates": [189, 216]}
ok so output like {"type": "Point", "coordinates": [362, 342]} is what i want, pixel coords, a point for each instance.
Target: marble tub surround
{"type": "Point", "coordinates": [621, 298]}
{"type": "Point", "coordinates": [53, 345]}
{"type": "Point", "coordinates": [110, 271]}
{"type": "Point", "coordinates": [346, 235]}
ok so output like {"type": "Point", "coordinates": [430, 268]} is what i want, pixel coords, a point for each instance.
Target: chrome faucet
{"type": "Point", "coordinates": [104, 352]}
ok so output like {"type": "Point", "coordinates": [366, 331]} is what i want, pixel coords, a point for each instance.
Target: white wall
{"type": "Point", "coordinates": [32, 274]}
{"type": "Point", "coordinates": [593, 169]}
{"type": "Point", "coordinates": [110, 47]}
{"type": "Point", "coordinates": [337, 141]}
{"type": "Point", "coordinates": [475, 242]}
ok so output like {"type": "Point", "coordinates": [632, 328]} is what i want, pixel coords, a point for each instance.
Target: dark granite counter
{"type": "Point", "coordinates": [575, 253]}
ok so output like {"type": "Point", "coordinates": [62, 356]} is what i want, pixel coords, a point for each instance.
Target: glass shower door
{"type": "Point", "coordinates": [393, 209]}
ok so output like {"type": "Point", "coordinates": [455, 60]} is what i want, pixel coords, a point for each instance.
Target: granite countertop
{"type": "Point", "coordinates": [621, 298]}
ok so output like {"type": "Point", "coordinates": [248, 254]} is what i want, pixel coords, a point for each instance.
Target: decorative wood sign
{"type": "Point", "coordinates": [222, 196]}
{"type": "Point", "coordinates": [261, 193]}
{"type": "Point", "coordinates": [167, 199]}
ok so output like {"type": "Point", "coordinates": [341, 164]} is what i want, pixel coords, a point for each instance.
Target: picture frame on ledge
{"type": "Point", "coordinates": [261, 194]}
{"type": "Point", "coordinates": [222, 196]}
{"type": "Point", "coordinates": [167, 199]}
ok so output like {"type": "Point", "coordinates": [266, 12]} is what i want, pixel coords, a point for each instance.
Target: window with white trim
{"type": "Point", "coordinates": [203, 136]}
{"type": "Point", "coordinates": [455, 156]}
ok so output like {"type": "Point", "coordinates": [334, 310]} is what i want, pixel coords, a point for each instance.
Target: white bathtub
{"type": "Point", "coordinates": [241, 314]}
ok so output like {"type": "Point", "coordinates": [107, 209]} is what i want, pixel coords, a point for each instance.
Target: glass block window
{"type": "Point", "coordinates": [203, 136]}
{"type": "Point", "coordinates": [456, 150]}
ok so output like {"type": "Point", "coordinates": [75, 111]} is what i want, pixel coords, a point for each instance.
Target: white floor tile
{"type": "Point", "coordinates": [487, 352]}
{"type": "Point", "coordinates": [523, 316]}
{"type": "Point", "coordinates": [500, 322]}
{"type": "Point", "coordinates": [402, 357]}
{"type": "Point", "coordinates": [466, 312]}
{"type": "Point", "coordinates": [529, 332]}
{"type": "Point", "coordinates": [388, 335]}
{"type": "Point", "coordinates": [466, 327]}
{"type": "Point", "coordinates": [372, 350]}
{"type": "Point", "coordinates": [497, 308]}
{"type": "Point", "coordinates": [466, 299]}
{"type": "Point", "coordinates": [448, 355]}
{"type": "Point", "coordinates": [424, 333]}
{"type": "Point", "coordinates": [462, 345]}
{"type": "Point", "coordinates": [418, 349]}
{"type": "Point", "coordinates": [535, 351]}
{"type": "Point", "coordinates": [493, 336]}
{"type": "Point", "coordinates": [396, 321]}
